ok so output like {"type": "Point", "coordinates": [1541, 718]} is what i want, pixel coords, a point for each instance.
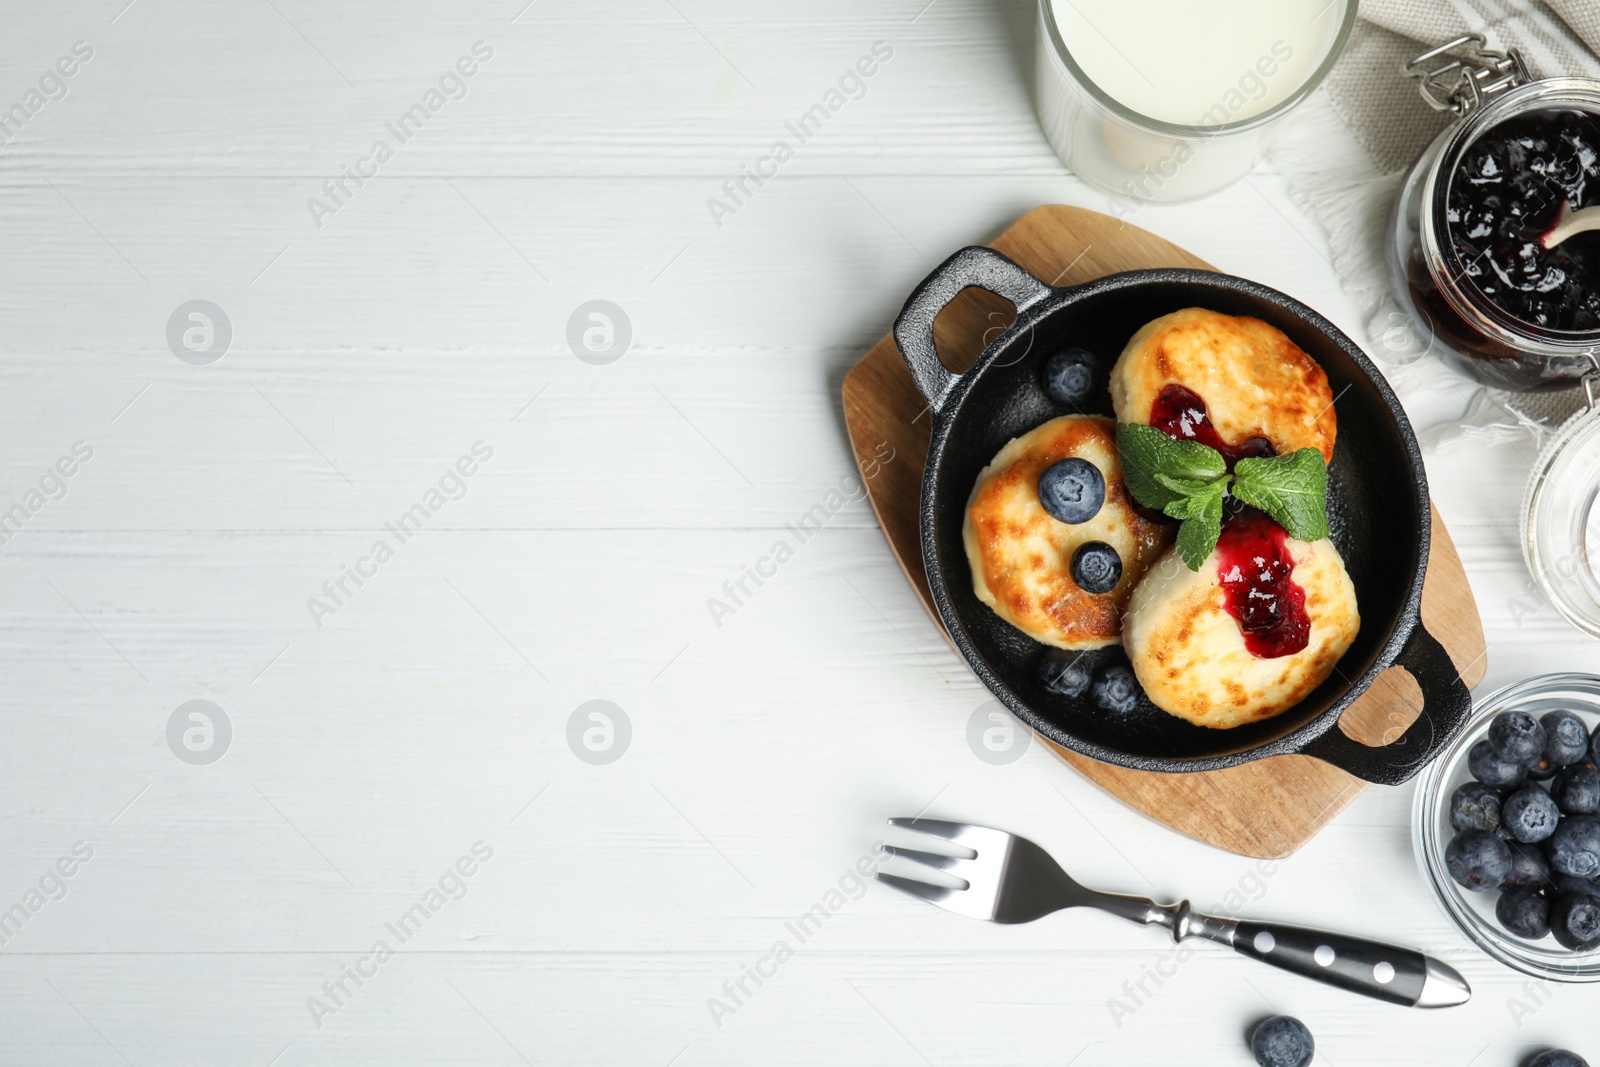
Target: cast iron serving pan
{"type": "Point", "coordinates": [1378, 511]}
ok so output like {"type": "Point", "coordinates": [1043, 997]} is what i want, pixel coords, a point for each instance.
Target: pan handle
{"type": "Point", "coordinates": [1446, 704]}
{"type": "Point", "coordinates": [974, 266]}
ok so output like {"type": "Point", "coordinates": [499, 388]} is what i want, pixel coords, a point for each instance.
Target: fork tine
{"type": "Point", "coordinates": [933, 894]}
{"type": "Point", "coordinates": [952, 866]}
{"type": "Point", "coordinates": [937, 827]}
{"type": "Point", "coordinates": [1008, 879]}
{"type": "Point", "coordinates": [964, 834]}
{"type": "Point", "coordinates": [932, 859]}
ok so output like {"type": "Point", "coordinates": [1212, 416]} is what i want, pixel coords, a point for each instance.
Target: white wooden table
{"type": "Point", "coordinates": [424, 713]}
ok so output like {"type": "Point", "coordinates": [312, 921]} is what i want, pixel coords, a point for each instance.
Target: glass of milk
{"type": "Point", "coordinates": [1164, 100]}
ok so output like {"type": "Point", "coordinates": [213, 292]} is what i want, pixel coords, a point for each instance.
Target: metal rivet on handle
{"type": "Point", "coordinates": [1383, 973]}
{"type": "Point", "coordinates": [1265, 942]}
{"type": "Point", "coordinates": [1324, 956]}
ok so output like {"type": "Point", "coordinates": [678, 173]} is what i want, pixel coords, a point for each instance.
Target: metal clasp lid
{"type": "Point", "coordinates": [1460, 84]}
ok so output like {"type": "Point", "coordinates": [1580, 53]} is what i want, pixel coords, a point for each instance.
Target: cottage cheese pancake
{"type": "Point", "coordinates": [1250, 634]}
{"type": "Point", "coordinates": [1231, 382]}
{"type": "Point", "coordinates": [1022, 556]}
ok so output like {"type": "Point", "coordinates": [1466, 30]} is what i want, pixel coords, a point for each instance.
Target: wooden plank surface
{"type": "Point", "coordinates": [1268, 808]}
{"type": "Point", "coordinates": [766, 751]}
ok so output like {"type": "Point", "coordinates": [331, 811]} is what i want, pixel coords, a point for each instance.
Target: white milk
{"type": "Point", "coordinates": [1198, 62]}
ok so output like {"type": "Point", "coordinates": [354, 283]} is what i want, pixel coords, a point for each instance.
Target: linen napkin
{"type": "Point", "coordinates": [1345, 153]}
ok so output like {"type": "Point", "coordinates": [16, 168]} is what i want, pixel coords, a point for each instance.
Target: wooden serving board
{"type": "Point", "coordinates": [1268, 808]}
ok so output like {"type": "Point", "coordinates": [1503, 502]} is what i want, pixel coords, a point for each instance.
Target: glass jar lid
{"type": "Point", "coordinates": [1561, 516]}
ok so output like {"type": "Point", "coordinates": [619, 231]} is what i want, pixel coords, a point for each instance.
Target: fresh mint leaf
{"type": "Point", "coordinates": [1293, 489]}
{"type": "Point", "coordinates": [1191, 486]}
{"type": "Point", "coordinates": [1148, 454]}
{"type": "Point", "coordinates": [1201, 514]}
{"type": "Point", "coordinates": [1185, 480]}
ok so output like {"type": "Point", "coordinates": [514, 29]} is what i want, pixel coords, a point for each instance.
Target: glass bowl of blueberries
{"type": "Point", "coordinates": [1507, 827]}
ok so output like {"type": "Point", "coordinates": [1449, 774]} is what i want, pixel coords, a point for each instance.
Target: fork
{"type": "Point", "coordinates": [1009, 879]}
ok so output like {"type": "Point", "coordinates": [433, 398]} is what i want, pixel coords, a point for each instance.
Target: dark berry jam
{"type": "Point", "coordinates": [1256, 572]}
{"type": "Point", "coordinates": [1181, 414]}
{"type": "Point", "coordinates": [1505, 195]}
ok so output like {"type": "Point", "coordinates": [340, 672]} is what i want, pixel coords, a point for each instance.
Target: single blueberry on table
{"type": "Point", "coordinates": [1575, 846]}
{"type": "Point", "coordinates": [1577, 790]}
{"type": "Point", "coordinates": [1530, 814]}
{"type": "Point", "coordinates": [1524, 912]}
{"type": "Point", "coordinates": [1558, 1057]}
{"type": "Point", "coordinates": [1474, 806]}
{"type": "Point", "coordinates": [1530, 867]}
{"type": "Point", "coordinates": [1064, 672]}
{"type": "Point", "coordinates": [1116, 689]}
{"type": "Point", "coordinates": [1478, 860]}
{"type": "Point", "coordinates": [1096, 567]}
{"type": "Point", "coordinates": [1487, 767]}
{"type": "Point", "coordinates": [1072, 490]}
{"type": "Point", "coordinates": [1071, 377]}
{"type": "Point", "coordinates": [1282, 1041]}
{"type": "Point", "coordinates": [1566, 738]}
{"type": "Point", "coordinates": [1516, 737]}
{"type": "Point", "coordinates": [1575, 921]}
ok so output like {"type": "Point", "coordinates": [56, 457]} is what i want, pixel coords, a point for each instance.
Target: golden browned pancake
{"type": "Point", "coordinates": [1021, 556]}
{"type": "Point", "coordinates": [1189, 652]}
{"type": "Point", "coordinates": [1255, 381]}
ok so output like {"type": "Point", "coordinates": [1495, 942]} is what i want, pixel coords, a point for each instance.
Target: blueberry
{"type": "Point", "coordinates": [1542, 770]}
{"type": "Point", "coordinates": [1487, 767]}
{"type": "Point", "coordinates": [1282, 1041]}
{"type": "Point", "coordinates": [1566, 885]}
{"type": "Point", "coordinates": [1530, 867]}
{"type": "Point", "coordinates": [1478, 860]}
{"type": "Point", "coordinates": [1475, 806]}
{"type": "Point", "coordinates": [1525, 912]}
{"type": "Point", "coordinates": [1516, 737]}
{"type": "Point", "coordinates": [1530, 814]}
{"type": "Point", "coordinates": [1558, 1057]}
{"type": "Point", "coordinates": [1064, 672]}
{"type": "Point", "coordinates": [1071, 377]}
{"type": "Point", "coordinates": [1115, 689]}
{"type": "Point", "coordinates": [1096, 567]}
{"type": "Point", "coordinates": [1577, 790]}
{"type": "Point", "coordinates": [1072, 490]}
{"type": "Point", "coordinates": [1575, 846]}
{"type": "Point", "coordinates": [1575, 920]}
{"type": "Point", "coordinates": [1566, 738]}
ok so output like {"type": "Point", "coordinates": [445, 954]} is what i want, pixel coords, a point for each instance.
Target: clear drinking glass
{"type": "Point", "coordinates": [1561, 516]}
{"type": "Point", "coordinates": [1110, 143]}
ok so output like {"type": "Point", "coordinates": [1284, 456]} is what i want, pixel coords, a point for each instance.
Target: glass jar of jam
{"type": "Point", "coordinates": [1466, 254]}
